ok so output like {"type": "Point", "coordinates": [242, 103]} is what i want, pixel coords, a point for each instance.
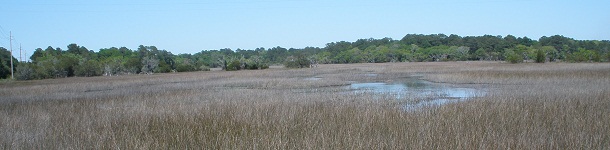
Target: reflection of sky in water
{"type": "Point", "coordinates": [402, 90]}
{"type": "Point", "coordinates": [313, 78]}
{"type": "Point", "coordinates": [436, 94]}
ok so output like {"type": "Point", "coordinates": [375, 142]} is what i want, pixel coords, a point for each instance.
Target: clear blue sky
{"type": "Point", "coordinates": [191, 26]}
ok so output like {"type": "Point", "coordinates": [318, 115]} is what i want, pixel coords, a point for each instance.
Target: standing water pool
{"type": "Point", "coordinates": [421, 92]}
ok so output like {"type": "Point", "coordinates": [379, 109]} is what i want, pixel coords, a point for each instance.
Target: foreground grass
{"type": "Point", "coordinates": [528, 106]}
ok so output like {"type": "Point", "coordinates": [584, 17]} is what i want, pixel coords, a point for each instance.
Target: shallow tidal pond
{"type": "Point", "coordinates": [417, 92]}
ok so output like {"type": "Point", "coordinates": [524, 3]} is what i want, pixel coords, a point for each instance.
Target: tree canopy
{"type": "Point", "coordinates": [79, 61]}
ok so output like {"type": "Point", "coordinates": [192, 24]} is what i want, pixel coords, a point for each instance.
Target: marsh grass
{"type": "Point", "coordinates": [528, 106]}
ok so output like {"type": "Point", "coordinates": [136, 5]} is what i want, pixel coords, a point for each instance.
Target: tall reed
{"type": "Point", "coordinates": [528, 106]}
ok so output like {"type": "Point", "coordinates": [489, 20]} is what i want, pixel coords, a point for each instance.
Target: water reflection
{"type": "Point", "coordinates": [426, 93]}
{"type": "Point", "coordinates": [313, 78]}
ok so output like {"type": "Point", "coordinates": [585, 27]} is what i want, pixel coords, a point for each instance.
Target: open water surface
{"type": "Point", "coordinates": [424, 93]}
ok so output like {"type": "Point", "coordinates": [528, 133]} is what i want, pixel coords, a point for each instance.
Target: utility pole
{"type": "Point", "coordinates": [10, 38]}
{"type": "Point", "coordinates": [20, 57]}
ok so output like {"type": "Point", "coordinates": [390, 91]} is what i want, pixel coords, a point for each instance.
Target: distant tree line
{"type": "Point", "coordinates": [79, 61]}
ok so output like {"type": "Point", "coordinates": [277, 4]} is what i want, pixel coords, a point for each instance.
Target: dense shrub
{"type": "Point", "coordinates": [204, 68]}
{"type": "Point", "coordinates": [298, 62]}
{"type": "Point", "coordinates": [185, 68]}
{"type": "Point", "coordinates": [512, 57]}
{"type": "Point", "coordinates": [25, 72]}
{"type": "Point", "coordinates": [540, 56]}
{"type": "Point", "coordinates": [88, 68]}
{"type": "Point", "coordinates": [164, 67]}
{"type": "Point", "coordinates": [255, 66]}
{"type": "Point", "coordinates": [234, 65]}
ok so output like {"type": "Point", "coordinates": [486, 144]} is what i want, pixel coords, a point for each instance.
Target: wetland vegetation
{"type": "Point", "coordinates": [524, 106]}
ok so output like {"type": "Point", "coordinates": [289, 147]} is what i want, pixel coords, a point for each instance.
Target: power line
{"type": "Point", "coordinates": [3, 33]}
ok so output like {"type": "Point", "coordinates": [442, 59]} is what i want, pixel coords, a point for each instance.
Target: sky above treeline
{"type": "Point", "coordinates": [189, 26]}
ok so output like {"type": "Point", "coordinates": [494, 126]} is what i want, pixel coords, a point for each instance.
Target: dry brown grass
{"type": "Point", "coordinates": [528, 106]}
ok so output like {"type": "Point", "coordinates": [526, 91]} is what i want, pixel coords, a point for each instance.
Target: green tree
{"type": "Point", "coordinates": [163, 67]}
{"type": "Point", "coordinates": [276, 54]}
{"type": "Point", "coordinates": [143, 52]}
{"type": "Point", "coordinates": [73, 48]}
{"type": "Point", "coordinates": [525, 52]}
{"type": "Point", "coordinates": [461, 53]}
{"type": "Point", "coordinates": [68, 63]}
{"type": "Point", "coordinates": [113, 65]}
{"type": "Point", "coordinates": [582, 55]}
{"type": "Point", "coordinates": [561, 43]}
{"type": "Point", "coordinates": [454, 40]}
{"type": "Point", "coordinates": [382, 54]}
{"type": "Point", "coordinates": [369, 54]}
{"type": "Point", "coordinates": [185, 68]}
{"type": "Point", "coordinates": [510, 41]}
{"type": "Point", "coordinates": [596, 57]}
{"type": "Point", "coordinates": [353, 55]}
{"type": "Point", "coordinates": [481, 54]}
{"type": "Point", "coordinates": [184, 63]}
{"type": "Point", "coordinates": [78, 50]}
{"type": "Point", "coordinates": [133, 65]}
{"type": "Point", "coordinates": [299, 61]}
{"type": "Point", "coordinates": [512, 57]}
{"type": "Point", "coordinates": [256, 62]}
{"type": "Point", "coordinates": [48, 67]}
{"type": "Point", "coordinates": [149, 65]}
{"type": "Point", "coordinates": [88, 68]}
{"type": "Point", "coordinates": [234, 65]}
{"type": "Point", "coordinates": [53, 51]}
{"type": "Point", "coordinates": [438, 53]}
{"type": "Point", "coordinates": [5, 63]}
{"type": "Point", "coordinates": [25, 71]}
{"type": "Point", "coordinates": [334, 48]}
{"type": "Point", "coordinates": [37, 54]}
{"type": "Point", "coordinates": [551, 53]}
{"type": "Point", "coordinates": [109, 53]}
{"type": "Point", "coordinates": [540, 56]}
{"type": "Point", "coordinates": [525, 41]}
